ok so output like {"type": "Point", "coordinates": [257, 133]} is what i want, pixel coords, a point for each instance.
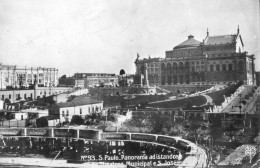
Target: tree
{"type": "Point", "coordinates": [6, 103]}
{"type": "Point", "coordinates": [63, 76]}
{"type": "Point", "coordinates": [77, 120]}
{"type": "Point", "coordinates": [122, 72]}
{"type": "Point", "coordinates": [42, 122]}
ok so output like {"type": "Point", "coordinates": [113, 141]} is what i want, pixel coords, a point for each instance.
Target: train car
{"type": "Point", "coordinates": [64, 133]}
{"type": "Point", "coordinates": [90, 134]}
{"type": "Point", "coordinates": [115, 136]}
{"type": "Point", "coordinates": [10, 131]}
{"type": "Point", "coordinates": [36, 131]}
{"type": "Point", "coordinates": [143, 137]}
{"type": "Point", "coordinates": [191, 146]}
{"type": "Point", "coordinates": [183, 146]}
{"type": "Point", "coordinates": [166, 140]}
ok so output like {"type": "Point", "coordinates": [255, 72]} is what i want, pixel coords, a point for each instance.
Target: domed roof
{"type": "Point", "coordinates": [190, 42]}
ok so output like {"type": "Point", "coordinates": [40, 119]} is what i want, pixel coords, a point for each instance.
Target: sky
{"type": "Point", "coordinates": [104, 36]}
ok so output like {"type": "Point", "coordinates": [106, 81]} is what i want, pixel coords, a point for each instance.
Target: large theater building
{"type": "Point", "coordinates": [215, 60]}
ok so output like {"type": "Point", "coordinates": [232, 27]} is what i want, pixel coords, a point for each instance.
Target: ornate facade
{"type": "Point", "coordinates": [215, 60]}
{"type": "Point", "coordinates": [12, 76]}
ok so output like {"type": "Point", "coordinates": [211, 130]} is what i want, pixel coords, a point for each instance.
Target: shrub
{"type": "Point", "coordinates": [76, 119]}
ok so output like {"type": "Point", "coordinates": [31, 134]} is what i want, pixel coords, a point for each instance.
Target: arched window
{"type": "Point", "coordinates": [169, 68]}
{"type": "Point", "coordinates": [186, 66]}
{"type": "Point", "coordinates": [181, 67]}
{"type": "Point", "coordinates": [163, 68]}
{"type": "Point", "coordinates": [174, 68]}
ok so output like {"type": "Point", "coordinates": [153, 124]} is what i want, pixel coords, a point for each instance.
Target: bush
{"type": "Point", "coordinates": [77, 120]}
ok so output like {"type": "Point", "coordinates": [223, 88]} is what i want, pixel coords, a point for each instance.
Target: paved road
{"type": "Point", "coordinates": [202, 158]}
{"type": "Point", "coordinates": [198, 160]}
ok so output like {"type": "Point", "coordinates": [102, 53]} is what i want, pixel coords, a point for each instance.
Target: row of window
{"type": "Point", "coordinates": [153, 65]}
{"type": "Point", "coordinates": [197, 62]}
{"type": "Point", "coordinates": [153, 71]}
{"type": "Point", "coordinates": [225, 67]}
{"type": "Point", "coordinates": [220, 55]}
{"type": "Point", "coordinates": [187, 52]}
{"type": "Point", "coordinates": [80, 111]}
{"type": "Point", "coordinates": [16, 96]}
{"type": "Point", "coordinates": [180, 64]}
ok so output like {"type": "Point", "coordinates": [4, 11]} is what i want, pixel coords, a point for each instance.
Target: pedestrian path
{"type": "Point", "coordinates": [209, 99]}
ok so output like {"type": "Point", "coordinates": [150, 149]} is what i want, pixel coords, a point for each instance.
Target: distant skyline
{"type": "Point", "coordinates": [104, 36]}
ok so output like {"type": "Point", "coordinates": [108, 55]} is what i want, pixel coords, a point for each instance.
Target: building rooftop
{"type": "Point", "coordinates": [190, 42]}
{"type": "Point", "coordinates": [223, 39]}
{"type": "Point", "coordinates": [79, 101]}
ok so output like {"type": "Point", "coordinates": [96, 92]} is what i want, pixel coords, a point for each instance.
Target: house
{"type": "Point", "coordinates": [80, 105]}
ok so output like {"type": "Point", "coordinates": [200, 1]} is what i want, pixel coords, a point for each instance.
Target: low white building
{"type": "Point", "coordinates": [17, 115]}
{"type": "Point", "coordinates": [1, 104]}
{"type": "Point", "coordinates": [81, 105]}
{"type": "Point", "coordinates": [28, 113]}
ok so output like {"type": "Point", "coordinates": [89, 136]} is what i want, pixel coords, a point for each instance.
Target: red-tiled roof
{"type": "Point", "coordinates": [224, 39]}
{"type": "Point", "coordinates": [79, 101]}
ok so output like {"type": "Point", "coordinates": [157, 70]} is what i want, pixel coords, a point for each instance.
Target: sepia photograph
{"type": "Point", "coordinates": [130, 83]}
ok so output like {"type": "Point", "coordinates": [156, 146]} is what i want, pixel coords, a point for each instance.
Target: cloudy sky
{"type": "Point", "coordinates": [105, 35]}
